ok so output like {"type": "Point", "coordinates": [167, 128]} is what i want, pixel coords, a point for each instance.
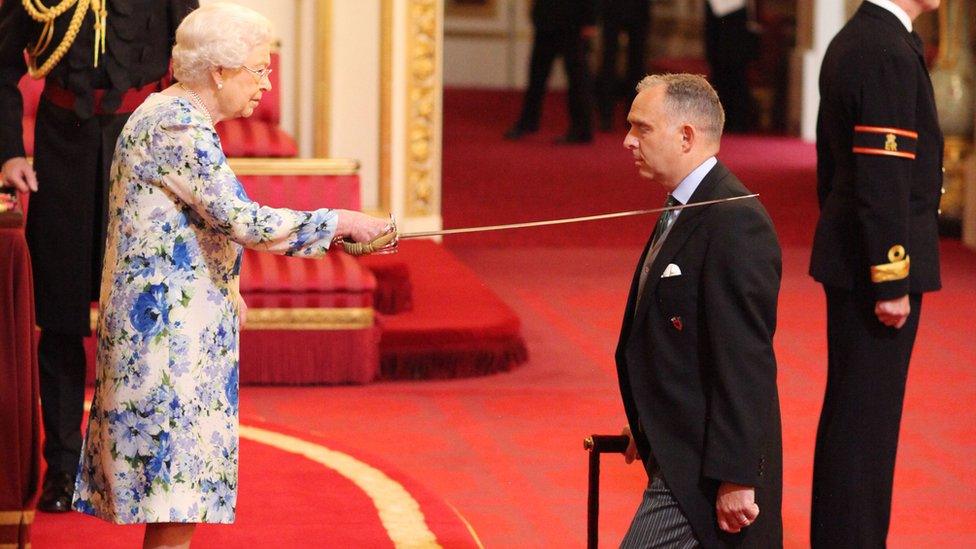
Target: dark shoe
{"type": "Point", "coordinates": [517, 132]}
{"type": "Point", "coordinates": [57, 492]}
{"type": "Point", "coordinates": [574, 139]}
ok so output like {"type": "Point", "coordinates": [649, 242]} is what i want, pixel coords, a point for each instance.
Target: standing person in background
{"type": "Point", "coordinates": [633, 19]}
{"type": "Point", "coordinates": [95, 75]}
{"type": "Point", "coordinates": [876, 251]}
{"type": "Point", "coordinates": [563, 28]}
{"type": "Point", "coordinates": [729, 47]}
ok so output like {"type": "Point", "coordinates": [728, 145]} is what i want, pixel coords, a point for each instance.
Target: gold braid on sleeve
{"type": "Point", "coordinates": [896, 269]}
{"type": "Point", "coordinates": [46, 16]}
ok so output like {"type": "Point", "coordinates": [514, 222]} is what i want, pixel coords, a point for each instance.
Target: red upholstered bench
{"type": "Point", "coordinates": [309, 320]}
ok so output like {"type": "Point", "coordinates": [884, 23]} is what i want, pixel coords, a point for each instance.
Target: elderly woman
{"type": "Point", "coordinates": [161, 445]}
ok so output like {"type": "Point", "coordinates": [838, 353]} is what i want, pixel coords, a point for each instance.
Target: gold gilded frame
{"type": "Point", "coordinates": [294, 166]}
{"type": "Point", "coordinates": [422, 98]}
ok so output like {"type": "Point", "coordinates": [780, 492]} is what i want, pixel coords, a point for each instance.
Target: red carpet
{"type": "Point", "coordinates": [286, 500]}
{"type": "Point", "coordinates": [456, 327]}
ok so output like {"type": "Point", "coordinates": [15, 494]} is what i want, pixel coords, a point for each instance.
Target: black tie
{"type": "Point", "coordinates": [664, 222]}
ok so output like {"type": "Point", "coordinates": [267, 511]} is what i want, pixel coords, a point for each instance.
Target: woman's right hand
{"type": "Point", "coordinates": [359, 227]}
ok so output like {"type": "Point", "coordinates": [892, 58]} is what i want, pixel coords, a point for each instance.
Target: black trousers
{"type": "Point", "coordinates": [729, 49]}
{"type": "Point", "coordinates": [548, 44]}
{"type": "Point", "coordinates": [631, 17]}
{"type": "Point", "coordinates": [66, 222]}
{"type": "Point", "coordinates": [857, 438]}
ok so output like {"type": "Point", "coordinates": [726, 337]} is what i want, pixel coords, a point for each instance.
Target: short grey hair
{"type": "Point", "coordinates": [218, 34]}
{"type": "Point", "coordinates": [689, 98]}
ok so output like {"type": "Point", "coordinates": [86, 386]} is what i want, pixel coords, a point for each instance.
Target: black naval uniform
{"type": "Point", "coordinates": [80, 116]}
{"type": "Point", "coordinates": [558, 25]}
{"type": "Point", "coordinates": [879, 168]}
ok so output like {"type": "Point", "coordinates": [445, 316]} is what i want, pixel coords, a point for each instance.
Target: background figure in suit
{"type": "Point", "coordinates": [563, 28]}
{"type": "Point", "coordinates": [729, 47]}
{"type": "Point", "coordinates": [879, 172]}
{"type": "Point", "coordinates": [633, 18]}
{"type": "Point", "coordinates": [695, 357]}
{"type": "Point", "coordinates": [81, 113]}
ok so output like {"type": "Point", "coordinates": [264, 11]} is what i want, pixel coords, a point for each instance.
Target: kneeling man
{"type": "Point", "coordinates": [695, 358]}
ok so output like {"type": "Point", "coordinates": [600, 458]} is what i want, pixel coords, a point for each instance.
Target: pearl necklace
{"type": "Point", "coordinates": [197, 101]}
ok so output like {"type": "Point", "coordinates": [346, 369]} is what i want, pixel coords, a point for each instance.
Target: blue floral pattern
{"type": "Point", "coordinates": [161, 443]}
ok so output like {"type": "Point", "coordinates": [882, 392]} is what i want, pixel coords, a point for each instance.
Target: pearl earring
{"type": "Point", "coordinates": [220, 86]}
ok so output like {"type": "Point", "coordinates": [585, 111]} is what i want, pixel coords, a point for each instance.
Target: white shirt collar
{"type": "Point", "coordinates": [682, 193]}
{"type": "Point", "coordinates": [895, 9]}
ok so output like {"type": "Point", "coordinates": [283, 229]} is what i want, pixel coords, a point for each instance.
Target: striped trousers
{"type": "Point", "coordinates": [659, 522]}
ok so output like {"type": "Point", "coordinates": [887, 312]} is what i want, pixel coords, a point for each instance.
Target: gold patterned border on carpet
{"type": "Point", "coordinates": [321, 318]}
{"type": "Point", "coordinates": [399, 512]}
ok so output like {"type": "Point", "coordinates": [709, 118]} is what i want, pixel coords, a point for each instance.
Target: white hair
{"type": "Point", "coordinates": [218, 34]}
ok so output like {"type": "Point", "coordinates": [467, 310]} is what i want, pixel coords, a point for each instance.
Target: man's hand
{"type": "Point", "coordinates": [893, 312]}
{"type": "Point", "coordinates": [588, 32]}
{"type": "Point", "coordinates": [736, 507]}
{"type": "Point", "coordinates": [18, 172]}
{"type": "Point", "coordinates": [631, 453]}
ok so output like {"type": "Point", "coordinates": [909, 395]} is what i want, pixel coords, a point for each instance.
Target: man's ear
{"type": "Point", "coordinates": [688, 137]}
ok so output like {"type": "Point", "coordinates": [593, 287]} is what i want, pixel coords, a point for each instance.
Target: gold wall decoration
{"type": "Point", "coordinates": [423, 91]}
{"type": "Point", "coordinates": [323, 76]}
{"type": "Point", "coordinates": [385, 202]}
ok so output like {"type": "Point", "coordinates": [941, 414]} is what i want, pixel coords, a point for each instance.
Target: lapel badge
{"type": "Point", "coordinates": [677, 323]}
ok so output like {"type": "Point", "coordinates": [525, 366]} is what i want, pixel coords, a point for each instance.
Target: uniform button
{"type": "Point", "coordinates": [939, 211]}
{"type": "Point", "coordinates": [943, 169]}
{"type": "Point", "coordinates": [943, 190]}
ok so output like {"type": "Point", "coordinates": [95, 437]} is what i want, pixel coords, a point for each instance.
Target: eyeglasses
{"type": "Point", "coordinates": [260, 73]}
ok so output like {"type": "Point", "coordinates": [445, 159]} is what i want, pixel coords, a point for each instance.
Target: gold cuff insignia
{"type": "Point", "coordinates": [897, 269]}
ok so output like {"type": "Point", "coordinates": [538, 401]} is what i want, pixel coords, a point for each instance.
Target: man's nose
{"type": "Point", "coordinates": [630, 142]}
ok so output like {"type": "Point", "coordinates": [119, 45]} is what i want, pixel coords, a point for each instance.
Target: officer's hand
{"type": "Point", "coordinates": [893, 312]}
{"type": "Point", "coordinates": [735, 507]}
{"type": "Point", "coordinates": [631, 453]}
{"type": "Point", "coordinates": [18, 173]}
{"type": "Point", "coordinates": [588, 32]}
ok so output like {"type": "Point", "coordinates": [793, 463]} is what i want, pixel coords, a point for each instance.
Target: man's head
{"type": "Point", "coordinates": [675, 124]}
{"type": "Point", "coordinates": [914, 8]}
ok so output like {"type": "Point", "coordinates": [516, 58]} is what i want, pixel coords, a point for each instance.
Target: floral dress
{"type": "Point", "coordinates": [161, 444]}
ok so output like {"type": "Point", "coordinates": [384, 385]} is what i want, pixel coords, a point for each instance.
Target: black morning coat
{"type": "Point", "coordinates": [879, 162]}
{"type": "Point", "coordinates": [696, 365]}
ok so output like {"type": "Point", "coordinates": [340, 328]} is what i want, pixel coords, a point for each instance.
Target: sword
{"type": "Point", "coordinates": [387, 242]}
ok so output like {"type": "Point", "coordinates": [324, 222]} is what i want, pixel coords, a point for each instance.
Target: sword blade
{"type": "Point", "coordinates": [565, 220]}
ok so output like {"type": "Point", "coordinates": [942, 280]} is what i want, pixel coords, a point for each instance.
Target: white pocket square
{"type": "Point", "coordinates": [671, 270]}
